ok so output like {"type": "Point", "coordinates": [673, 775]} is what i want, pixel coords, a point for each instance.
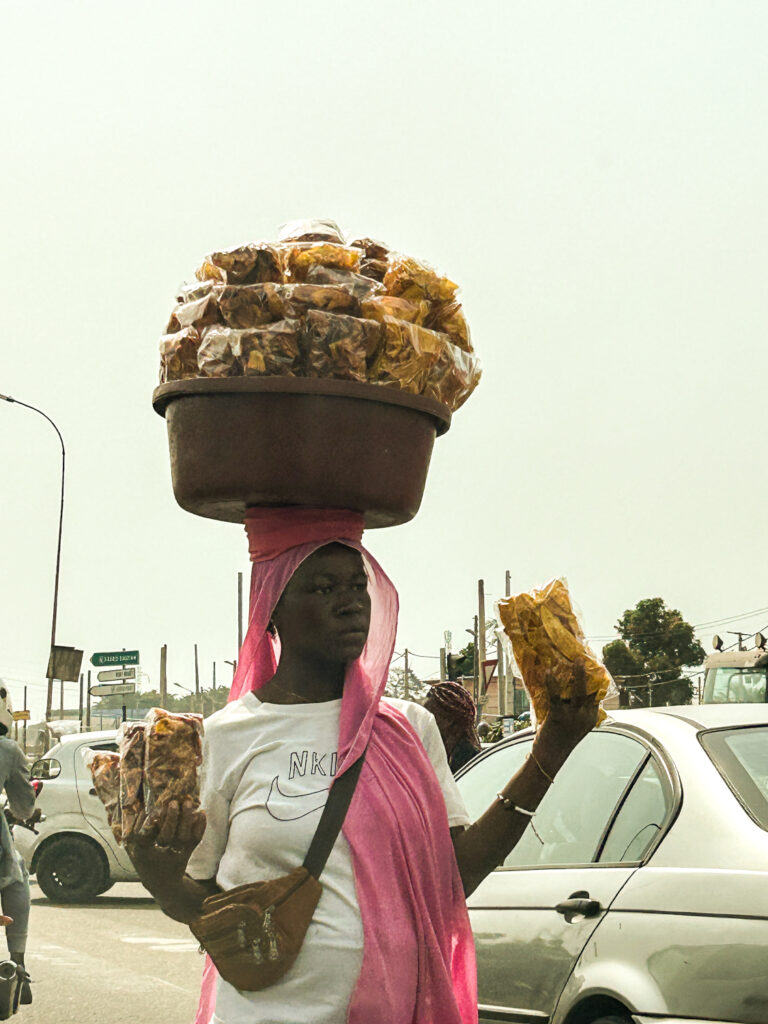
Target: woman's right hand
{"type": "Point", "coordinates": [161, 847]}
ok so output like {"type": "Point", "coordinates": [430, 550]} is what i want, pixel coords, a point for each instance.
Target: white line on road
{"type": "Point", "coordinates": [159, 939]}
{"type": "Point", "coordinates": [170, 984]}
{"type": "Point", "coordinates": [162, 945]}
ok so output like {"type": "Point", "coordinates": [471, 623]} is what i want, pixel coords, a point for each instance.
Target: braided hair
{"type": "Point", "coordinates": [451, 704]}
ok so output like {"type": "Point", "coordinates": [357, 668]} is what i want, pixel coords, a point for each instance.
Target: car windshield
{"type": "Point", "coordinates": [741, 757]}
{"type": "Point", "coordinates": [735, 686]}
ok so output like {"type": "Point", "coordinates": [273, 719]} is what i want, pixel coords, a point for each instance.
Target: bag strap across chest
{"type": "Point", "coordinates": [332, 818]}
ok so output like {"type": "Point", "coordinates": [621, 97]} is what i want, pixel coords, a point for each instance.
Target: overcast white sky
{"type": "Point", "coordinates": [592, 174]}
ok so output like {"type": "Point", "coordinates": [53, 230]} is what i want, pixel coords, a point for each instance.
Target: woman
{"type": "Point", "coordinates": [455, 714]}
{"type": "Point", "coordinates": [390, 942]}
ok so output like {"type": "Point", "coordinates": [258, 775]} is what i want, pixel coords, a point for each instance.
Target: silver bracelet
{"type": "Point", "coordinates": [510, 805]}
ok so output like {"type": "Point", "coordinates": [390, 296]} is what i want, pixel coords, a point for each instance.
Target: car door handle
{"type": "Point", "coordinates": [578, 903]}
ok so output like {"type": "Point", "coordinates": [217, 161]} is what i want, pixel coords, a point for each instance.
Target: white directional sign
{"type": "Point", "coordinates": [113, 674]}
{"type": "Point", "coordinates": [112, 689]}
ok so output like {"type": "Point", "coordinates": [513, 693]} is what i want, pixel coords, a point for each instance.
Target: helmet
{"type": "Point", "coordinates": [6, 708]}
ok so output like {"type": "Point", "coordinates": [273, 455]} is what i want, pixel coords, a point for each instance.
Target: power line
{"type": "Point", "coordinates": [659, 672]}
{"type": "Point", "coordinates": [652, 684]}
{"type": "Point", "coordinates": [697, 626]}
{"type": "Point", "coordinates": [23, 682]}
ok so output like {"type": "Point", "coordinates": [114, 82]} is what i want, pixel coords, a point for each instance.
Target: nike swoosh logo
{"type": "Point", "coordinates": [301, 803]}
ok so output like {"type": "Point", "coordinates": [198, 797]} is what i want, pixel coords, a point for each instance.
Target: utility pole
{"type": "Point", "coordinates": [163, 675]}
{"type": "Point", "coordinates": [443, 666]}
{"type": "Point", "coordinates": [197, 673]}
{"type": "Point", "coordinates": [501, 676]}
{"type": "Point", "coordinates": [25, 721]}
{"type": "Point", "coordinates": [507, 584]}
{"type": "Point", "coordinates": [214, 675]}
{"type": "Point", "coordinates": [406, 689]}
{"type": "Point", "coordinates": [476, 668]}
{"type": "Point", "coordinates": [34, 409]}
{"type": "Point", "coordinates": [740, 636]}
{"type": "Point", "coordinates": [61, 698]}
{"type": "Point", "coordinates": [80, 705]}
{"type": "Point", "coordinates": [88, 705]}
{"type": "Point", "coordinates": [481, 636]}
{"type": "Point", "coordinates": [239, 612]}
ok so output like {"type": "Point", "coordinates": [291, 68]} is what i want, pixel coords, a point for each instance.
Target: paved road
{"type": "Point", "coordinates": [116, 960]}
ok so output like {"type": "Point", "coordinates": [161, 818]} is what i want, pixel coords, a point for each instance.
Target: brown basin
{"type": "Point", "coordinates": [241, 441]}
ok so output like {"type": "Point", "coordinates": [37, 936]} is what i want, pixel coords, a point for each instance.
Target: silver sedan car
{"type": "Point", "coordinates": [639, 893]}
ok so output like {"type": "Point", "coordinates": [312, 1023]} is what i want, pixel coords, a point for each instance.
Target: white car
{"type": "Point", "coordinates": [639, 892]}
{"type": "Point", "coordinates": [74, 855]}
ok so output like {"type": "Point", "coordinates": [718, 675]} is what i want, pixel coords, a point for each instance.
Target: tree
{"type": "Point", "coordinates": [656, 642]}
{"type": "Point", "coordinates": [463, 664]}
{"type": "Point", "coordinates": [395, 687]}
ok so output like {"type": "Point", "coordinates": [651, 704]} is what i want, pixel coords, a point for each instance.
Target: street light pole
{"type": "Point", "coordinates": [15, 401]}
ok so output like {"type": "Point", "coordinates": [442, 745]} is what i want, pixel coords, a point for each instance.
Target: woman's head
{"type": "Point", "coordinates": [324, 613]}
{"type": "Point", "coordinates": [454, 712]}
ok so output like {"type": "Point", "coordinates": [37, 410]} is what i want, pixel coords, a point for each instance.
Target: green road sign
{"type": "Point", "coordinates": [115, 658]}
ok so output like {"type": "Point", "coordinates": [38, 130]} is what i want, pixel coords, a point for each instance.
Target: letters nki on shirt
{"type": "Point", "coordinates": [267, 769]}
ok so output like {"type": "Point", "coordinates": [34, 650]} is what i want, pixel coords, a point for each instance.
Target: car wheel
{"type": "Point", "coordinates": [71, 869]}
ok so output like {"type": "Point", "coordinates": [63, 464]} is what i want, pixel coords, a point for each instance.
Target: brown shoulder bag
{"type": "Point", "coordinates": [253, 933]}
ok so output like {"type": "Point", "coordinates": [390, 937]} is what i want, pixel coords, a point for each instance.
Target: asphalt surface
{"type": "Point", "coordinates": [115, 960]}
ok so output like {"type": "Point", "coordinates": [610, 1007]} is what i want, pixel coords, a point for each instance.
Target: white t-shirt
{"type": "Point", "coordinates": [266, 773]}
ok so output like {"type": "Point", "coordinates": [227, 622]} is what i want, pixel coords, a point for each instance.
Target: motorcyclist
{"type": "Point", "coordinates": [14, 878]}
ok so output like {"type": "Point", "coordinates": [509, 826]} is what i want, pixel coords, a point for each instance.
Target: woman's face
{"type": "Point", "coordinates": [325, 611]}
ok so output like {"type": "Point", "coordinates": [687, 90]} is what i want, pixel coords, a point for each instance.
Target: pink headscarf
{"type": "Point", "coordinates": [418, 958]}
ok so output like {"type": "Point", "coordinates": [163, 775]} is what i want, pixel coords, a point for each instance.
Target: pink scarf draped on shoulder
{"type": "Point", "coordinates": [418, 959]}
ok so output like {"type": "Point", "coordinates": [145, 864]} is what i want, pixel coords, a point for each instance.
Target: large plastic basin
{"type": "Point", "coordinates": [242, 441]}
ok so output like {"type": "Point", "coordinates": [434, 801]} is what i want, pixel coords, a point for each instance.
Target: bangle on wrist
{"type": "Point", "coordinates": [510, 805]}
{"type": "Point", "coordinates": [536, 761]}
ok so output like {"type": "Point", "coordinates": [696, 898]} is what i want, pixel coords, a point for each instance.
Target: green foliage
{"type": "Point", "coordinates": [463, 663]}
{"type": "Point", "coordinates": [656, 642]}
{"type": "Point", "coordinates": [495, 733]}
{"type": "Point", "coordinates": [416, 690]}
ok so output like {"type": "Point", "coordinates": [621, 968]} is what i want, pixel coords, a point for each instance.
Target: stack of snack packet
{"type": "Point", "coordinates": [158, 761]}
{"type": "Point", "coordinates": [314, 305]}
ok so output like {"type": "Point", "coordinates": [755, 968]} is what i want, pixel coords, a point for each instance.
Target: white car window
{"type": "Point", "coordinates": [640, 819]}
{"type": "Point", "coordinates": [741, 757]}
{"type": "Point", "coordinates": [572, 818]}
{"type": "Point", "coordinates": [480, 784]}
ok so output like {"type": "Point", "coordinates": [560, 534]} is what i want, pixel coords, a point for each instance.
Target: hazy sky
{"type": "Point", "coordinates": [592, 174]}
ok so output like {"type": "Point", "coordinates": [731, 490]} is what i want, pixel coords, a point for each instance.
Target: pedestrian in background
{"type": "Point", "coordinates": [455, 714]}
{"type": "Point", "coordinates": [14, 878]}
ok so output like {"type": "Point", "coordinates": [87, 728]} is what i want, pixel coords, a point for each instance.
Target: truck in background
{"type": "Point", "coordinates": [736, 677]}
